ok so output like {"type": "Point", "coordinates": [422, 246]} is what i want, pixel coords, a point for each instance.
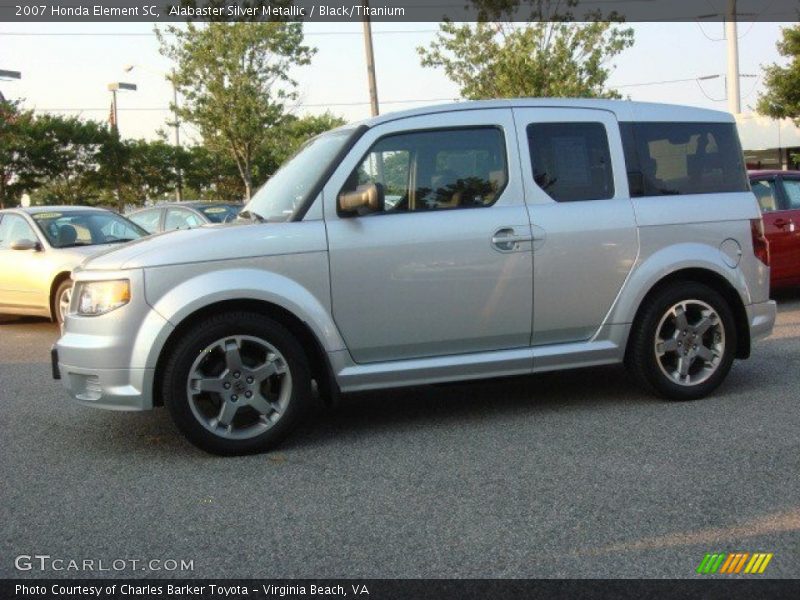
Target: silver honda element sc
{"type": "Point", "coordinates": [481, 239]}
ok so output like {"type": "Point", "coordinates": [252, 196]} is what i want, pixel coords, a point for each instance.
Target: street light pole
{"type": "Point", "coordinates": [114, 88]}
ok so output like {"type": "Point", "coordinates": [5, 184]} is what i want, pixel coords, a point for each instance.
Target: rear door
{"type": "Point", "coordinates": [791, 227]}
{"type": "Point", "coordinates": [585, 239]}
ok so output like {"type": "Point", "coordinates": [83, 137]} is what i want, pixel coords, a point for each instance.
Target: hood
{"type": "Point", "coordinates": [211, 243]}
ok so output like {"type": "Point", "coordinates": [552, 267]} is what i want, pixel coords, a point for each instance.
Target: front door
{"type": "Point", "coordinates": [583, 220]}
{"type": "Point", "coordinates": [445, 267]}
{"type": "Point", "coordinates": [20, 270]}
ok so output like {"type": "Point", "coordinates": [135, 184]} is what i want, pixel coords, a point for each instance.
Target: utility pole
{"type": "Point", "coordinates": [732, 80]}
{"type": "Point", "coordinates": [373, 86]}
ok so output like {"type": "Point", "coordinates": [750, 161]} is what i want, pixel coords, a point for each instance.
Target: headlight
{"type": "Point", "coordinates": [99, 297]}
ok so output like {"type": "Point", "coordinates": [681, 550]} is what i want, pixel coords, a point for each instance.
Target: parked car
{"type": "Point", "coordinates": [523, 236]}
{"type": "Point", "coordinates": [778, 194]}
{"type": "Point", "coordinates": [183, 215]}
{"type": "Point", "coordinates": [39, 248]}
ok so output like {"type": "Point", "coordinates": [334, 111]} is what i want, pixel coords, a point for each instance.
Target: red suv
{"type": "Point", "coordinates": [778, 193]}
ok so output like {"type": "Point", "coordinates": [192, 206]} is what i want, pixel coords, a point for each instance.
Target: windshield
{"type": "Point", "coordinates": [289, 187]}
{"type": "Point", "coordinates": [86, 228]}
{"type": "Point", "coordinates": [220, 213]}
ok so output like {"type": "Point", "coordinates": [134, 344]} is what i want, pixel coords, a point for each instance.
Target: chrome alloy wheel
{"type": "Point", "coordinates": [239, 386]}
{"type": "Point", "coordinates": [63, 303]}
{"type": "Point", "coordinates": [689, 342]}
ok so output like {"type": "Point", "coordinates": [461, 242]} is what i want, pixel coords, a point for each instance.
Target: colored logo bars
{"type": "Point", "coordinates": [735, 562]}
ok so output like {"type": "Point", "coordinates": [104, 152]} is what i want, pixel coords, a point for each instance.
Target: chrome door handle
{"type": "Point", "coordinates": [506, 240]}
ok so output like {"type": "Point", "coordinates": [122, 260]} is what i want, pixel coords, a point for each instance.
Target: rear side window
{"type": "Point", "coordinates": [792, 189]}
{"type": "Point", "coordinates": [668, 159]}
{"type": "Point", "coordinates": [571, 161]}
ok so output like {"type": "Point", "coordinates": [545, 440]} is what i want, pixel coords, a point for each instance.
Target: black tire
{"type": "Point", "coordinates": [642, 359]}
{"type": "Point", "coordinates": [187, 350]}
{"type": "Point", "coordinates": [60, 290]}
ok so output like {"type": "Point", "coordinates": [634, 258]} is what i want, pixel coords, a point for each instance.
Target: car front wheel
{"type": "Point", "coordinates": [62, 299]}
{"type": "Point", "coordinates": [684, 344]}
{"type": "Point", "coordinates": [236, 383]}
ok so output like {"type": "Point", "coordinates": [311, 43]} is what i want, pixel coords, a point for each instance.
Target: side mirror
{"type": "Point", "coordinates": [364, 199]}
{"type": "Point", "coordinates": [25, 244]}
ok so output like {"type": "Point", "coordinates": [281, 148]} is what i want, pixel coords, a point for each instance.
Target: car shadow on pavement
{"type": "Point", "coordinates": [462, 404]}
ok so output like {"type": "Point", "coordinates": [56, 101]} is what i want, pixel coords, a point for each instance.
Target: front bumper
{"type": "Point", "coordinates": [112, 389]}
{"type": "Point", "coordinates": [761, 318]}
{"type": "Point", "coordinates": [109, 361]}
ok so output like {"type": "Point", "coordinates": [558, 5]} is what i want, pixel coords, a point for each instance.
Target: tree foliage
{"type": "Point", "coordinates": [550, 55]}
{"type": "Point", "coordinates": [235, 82]}
{"type": "Point", "coordinates": [60, 160]}
{"type": "Point", "coordinates": [781, 98]}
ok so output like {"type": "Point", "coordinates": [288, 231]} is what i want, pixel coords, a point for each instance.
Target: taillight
{"type": "Point", "coordinates": [760, 242]}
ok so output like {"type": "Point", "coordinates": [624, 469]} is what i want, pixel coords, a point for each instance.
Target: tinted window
{"type": "Point", "coordinates": [683, 158]}
{"type": "Point", "coordinates": [180, 218]}
{"type": "Point", "coordinates": [148, 219]}
{"type": "Point", "coordinates": [431, 170]}
{"type": "Point", "coordinates": [571, 161]}
{"type": "Point", "coordinates": [220, 213]}
{"type": "Point", "coordinates": [766, 194]}
{"type": "Point", "coordinates": [14, 228]}
{"type": "Point", "coordinates": [792, 189]}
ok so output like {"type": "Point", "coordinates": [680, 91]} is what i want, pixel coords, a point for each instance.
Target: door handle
{"type": "Point", "coordinates": [507, 240]}
{"type": "Point", "coordinates": [781, 223]}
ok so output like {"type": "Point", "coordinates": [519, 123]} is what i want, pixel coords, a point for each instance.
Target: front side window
{"type": "Point", "coordinates": [669, 159]}
{"type": "Point", "coordinates": [435, 169]}
{"type": "Point", "coordinates": [571, 161]}
{"type": "Point", "coordinates": [792, 189]}
{"type": "Point", "coordinates": [14, 228]}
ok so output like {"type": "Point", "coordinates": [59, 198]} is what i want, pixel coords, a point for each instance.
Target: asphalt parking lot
{"type": "Point", "coordinates": [573, 474]}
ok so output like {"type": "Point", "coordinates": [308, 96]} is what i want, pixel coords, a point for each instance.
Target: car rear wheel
{"type": "Point", "coordinates": [236, 383]}
{"type": "Point", "coordinates": [684, 343]}
{"type": "Point", "coordinates": [61, 300]}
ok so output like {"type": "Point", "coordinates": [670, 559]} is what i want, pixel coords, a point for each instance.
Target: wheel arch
{"type": "Point", "coordinates": [718, 283]}
{"type": "Point", "coordinates": [57, 281]}
{"type": "Point", "coordinates": [318, 359]}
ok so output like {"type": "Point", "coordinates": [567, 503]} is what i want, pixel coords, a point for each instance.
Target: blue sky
{"type": "Point", "coordinates": [67, 72]}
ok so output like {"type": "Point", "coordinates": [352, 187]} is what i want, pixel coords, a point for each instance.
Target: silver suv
{"type": "Point", "coordinates": [449, 243]}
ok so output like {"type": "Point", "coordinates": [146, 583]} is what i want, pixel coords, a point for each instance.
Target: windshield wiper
{"type": "Point", "coordinates": [253, 216]}
{"type": "Point", "coordinates": [119, 241]}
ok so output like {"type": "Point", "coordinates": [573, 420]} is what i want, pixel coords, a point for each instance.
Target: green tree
{"type": "Point", "coordinates": [235, 82]}
{"type": "Point", "coordinates": [291, 134]}
{"type": "Point", "coordinates": [549, 55]}
{"type": "Point", "coordinates": [56, 157]}
{"type": "Point", "coordinates": [781, 98]}
{"type": "Point", "coordinates": [19, 165]}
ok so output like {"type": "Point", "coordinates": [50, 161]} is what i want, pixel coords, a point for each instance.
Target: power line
{"type": "Point", "coordinates": [664, 81]}
{"type": "Point", "coordinates": [302, 105]}
{"type": "Point", "coordinates": [147, 34]}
